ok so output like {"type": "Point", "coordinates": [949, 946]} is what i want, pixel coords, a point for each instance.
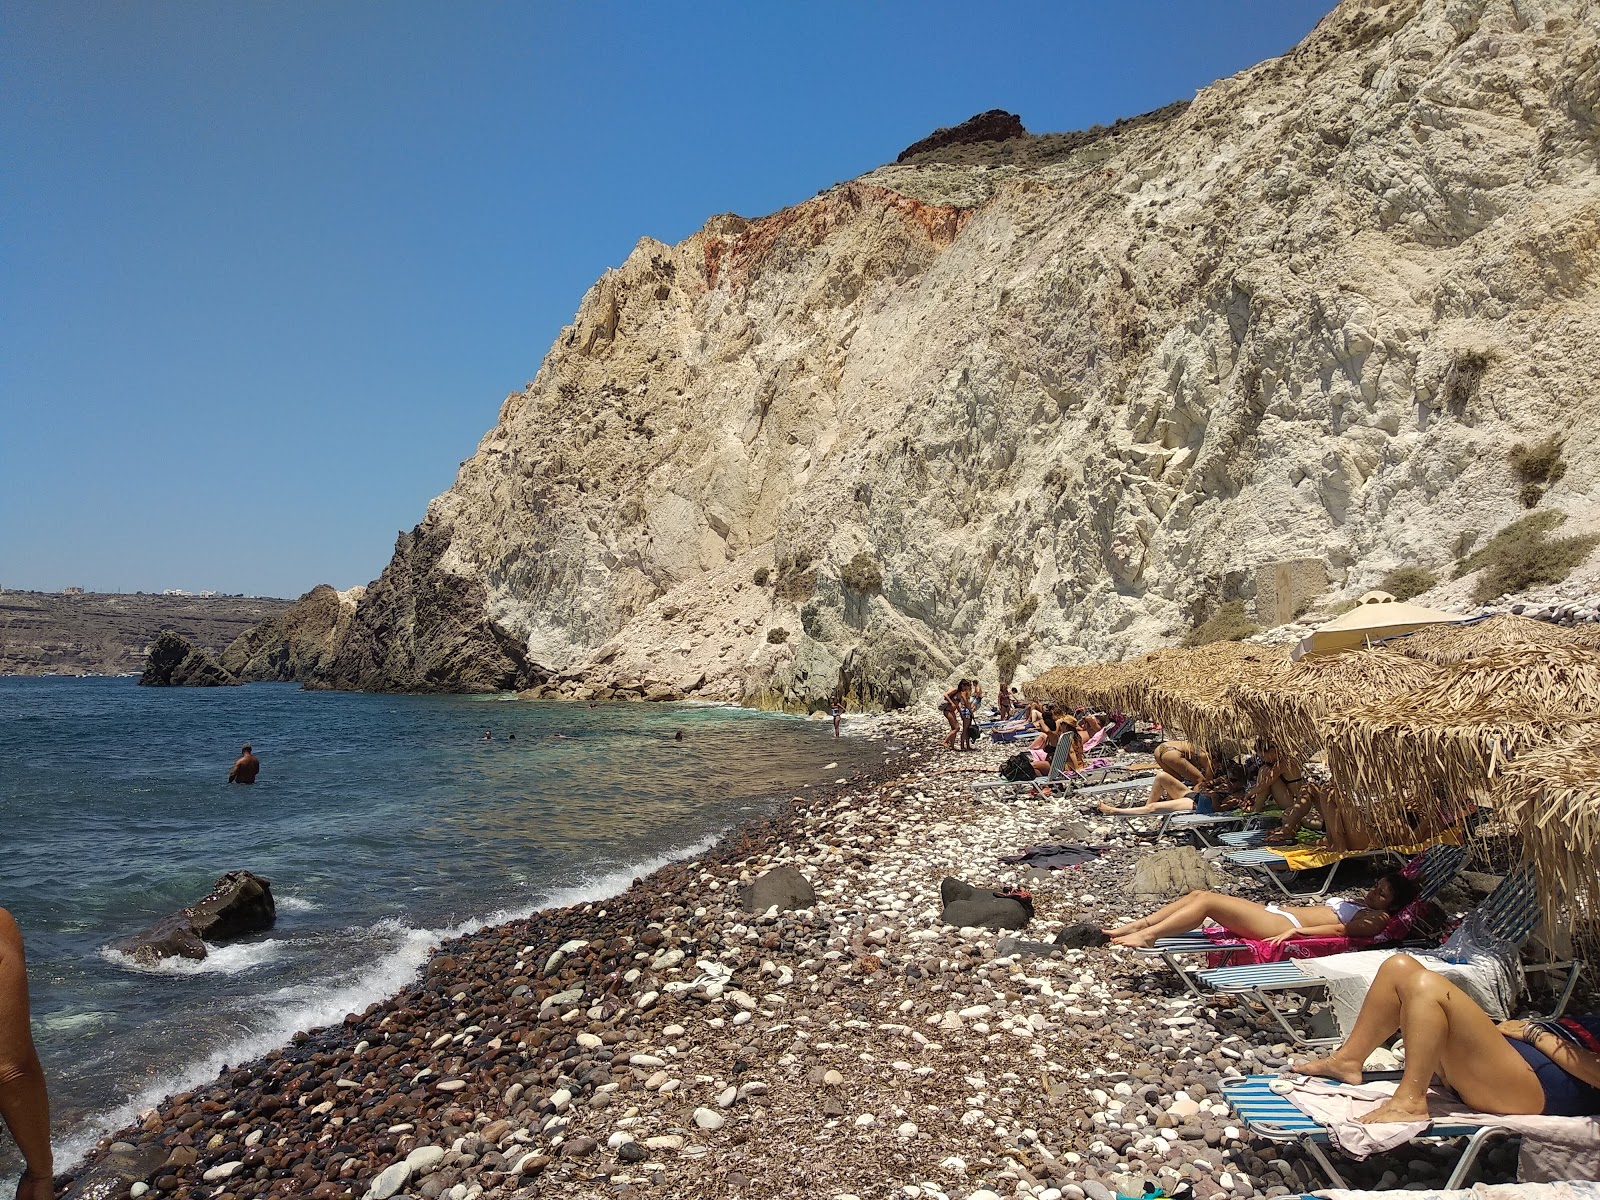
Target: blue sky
{"type": "Point", "coordinates": [267, 269]}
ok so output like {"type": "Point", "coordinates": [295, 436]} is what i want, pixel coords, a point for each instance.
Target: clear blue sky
{"type": "Point", "coordinates": [267, 269]}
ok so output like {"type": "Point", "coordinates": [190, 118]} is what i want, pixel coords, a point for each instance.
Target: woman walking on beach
{"type": "Point", "coordinates": [950, 706]}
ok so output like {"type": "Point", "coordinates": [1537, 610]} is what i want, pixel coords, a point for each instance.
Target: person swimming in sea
{"type": "Point", "coordinates": [246, 768]}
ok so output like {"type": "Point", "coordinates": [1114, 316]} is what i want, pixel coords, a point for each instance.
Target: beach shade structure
{"type": "Point", "coordinates": [1192, 691]}
{"type": "Point", "coordinates": [1285, 705]}
{"type": "Point", "coordinates": [1448, 645]}
{"type": "Point", "coordinates": [1378, 616]}
{"type": "Point", "coordinates": [1428, 751]}
{"type": "Point", "coordinates": [1113, 686]}
{"type": "Point", "coordinates": [1552, 796]}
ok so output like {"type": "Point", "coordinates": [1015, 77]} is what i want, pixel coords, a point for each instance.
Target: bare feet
{"type": "Point", "coordinates": [1137, 941]}
{"type": "Point", "coordinates": [1332, 1068]}
{"type": "Point", "coordinates": [1396, 1111]}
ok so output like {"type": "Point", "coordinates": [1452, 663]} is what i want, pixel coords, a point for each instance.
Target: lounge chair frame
{"type": "Point", "coordinates": [1268, 1115]}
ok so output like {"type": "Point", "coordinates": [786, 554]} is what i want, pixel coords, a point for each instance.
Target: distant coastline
{"type": "Point", "coordinates": [108, 633]}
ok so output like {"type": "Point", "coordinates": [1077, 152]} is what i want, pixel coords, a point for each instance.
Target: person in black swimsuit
{"type": "Point", "coordinates": [1513, 1068]}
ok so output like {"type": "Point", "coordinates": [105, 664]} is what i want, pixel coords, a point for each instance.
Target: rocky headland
{"type": "Point", "coordinates": [1023, 398]}
{"type": "Point", "coordinates": [668, 1041]}
{"type": "Point", "coordinates": [100, 633]}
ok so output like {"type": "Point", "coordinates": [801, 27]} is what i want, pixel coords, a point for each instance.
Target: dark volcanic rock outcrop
{"type": "Point", "coordinates": [996, 125]}
{"type": "Point", "coordinates": [295, 645]}
{"type": "Point", "coordinates": [174, 662]}
{"type": "Point", "coordinates": [239, 904]}
{"type": "Point", "coordinates": [420, 628]}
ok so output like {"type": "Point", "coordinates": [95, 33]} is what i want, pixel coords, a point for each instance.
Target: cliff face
{"type": "Point", "coordinates": [298, 643]}
{"type": "Point", "coordinates": [1053, 397]}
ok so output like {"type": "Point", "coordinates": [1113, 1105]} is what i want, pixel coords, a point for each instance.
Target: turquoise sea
{"type": "Point", "coordinates": [385, 823]}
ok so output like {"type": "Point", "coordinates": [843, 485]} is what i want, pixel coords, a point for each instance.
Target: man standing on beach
{"type": "Point", "coordinates": [24, 1103]}
{"type": "Point", "coordinates": [246, 769]}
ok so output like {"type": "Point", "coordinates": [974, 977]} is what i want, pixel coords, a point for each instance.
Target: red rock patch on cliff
{"type": "Point", "coordinates": [809, 224]}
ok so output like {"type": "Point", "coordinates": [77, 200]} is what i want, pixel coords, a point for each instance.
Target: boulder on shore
{"type": "Point", "coordinates": [174, 661]}
{"type": "Point", "coordinates": [783, 886]}
{"type": "Point", "coordinates": [966, 906]}
{"type": "Point", "coordinates": [239, 904]}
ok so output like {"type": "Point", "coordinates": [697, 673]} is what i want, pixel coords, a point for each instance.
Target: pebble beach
{"type": "Point", "coordinates": [666, 1042]}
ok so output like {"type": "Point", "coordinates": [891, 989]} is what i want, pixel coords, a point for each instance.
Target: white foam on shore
{"type": "Point", "coordinates": [311, 1006]}
{"type": "Point", "coordinates": [219, 960]}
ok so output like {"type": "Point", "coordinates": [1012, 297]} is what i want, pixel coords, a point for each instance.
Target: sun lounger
{"type": "Point", "coordinates": [1435, 868]}
{"type": "Point", "coordinates": [1510, 912]}
{"type": "Point", "coordinates": [1268, 1115]}
{"type": "Point", "coordinates": [1207, 829]}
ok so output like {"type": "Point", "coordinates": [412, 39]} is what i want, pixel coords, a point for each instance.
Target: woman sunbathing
{"type": "Point", "coordinates": [1514, 1068]}
{"type": "Point", "coordinates": [1168, 793]}
{"type": "Point", "coordinates": [1271, 923]}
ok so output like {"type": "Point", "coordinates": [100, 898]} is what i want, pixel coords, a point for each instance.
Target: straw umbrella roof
{"type": "Point", "coordinates": [1431, 747]}
{"type": "Point", "coordinates": [1110, 685]}
{"type": "Point", "coordinates": [1191, 691]}
{"type": "Point", "coordinates": [1553, 796]}
{"type": "Point", "coordinates": [1452, 645]}
{"type": "Point", "coordinates": [1285, 705]}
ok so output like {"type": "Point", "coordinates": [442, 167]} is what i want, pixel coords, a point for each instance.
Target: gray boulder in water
{"type": "Point", "coordinates": [783, 886]}
{"type": "Point", "coordinates": [175, 662]}
{"type": "Point", "coordinates": [239, 904]}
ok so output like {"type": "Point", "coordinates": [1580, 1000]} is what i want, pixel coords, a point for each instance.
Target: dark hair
{"type": "Point", "coordinates": [246, 749]}
{"type": "Point", "coordinates": [1403, 888]}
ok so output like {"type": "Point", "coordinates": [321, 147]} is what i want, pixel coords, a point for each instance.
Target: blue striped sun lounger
{"type": "Point", "coordinates": [1511, 912]}
{"type": "Point", "coordinates": [1275, 1118]}
{"type": "Point", "coordinates": [1436, 867]}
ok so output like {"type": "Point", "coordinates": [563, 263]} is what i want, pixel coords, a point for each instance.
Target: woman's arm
{"type": "Point", "coordinates": [1579, 1063]}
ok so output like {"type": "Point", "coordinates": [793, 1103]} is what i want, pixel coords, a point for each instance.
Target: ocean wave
{"type": "Point", "coordinates": [219, 960]}
{"type": "Point", "coordinates": [295, 904]}
{"type": "Point", "coordinates": [309, 1006]}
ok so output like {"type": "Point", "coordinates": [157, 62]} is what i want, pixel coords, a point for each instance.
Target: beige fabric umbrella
{"type": "Point", "coordinates": [1378, 616]}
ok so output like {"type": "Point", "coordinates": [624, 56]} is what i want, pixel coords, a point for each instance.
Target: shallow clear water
{"type": "Point", "coordinates": [385, 823]}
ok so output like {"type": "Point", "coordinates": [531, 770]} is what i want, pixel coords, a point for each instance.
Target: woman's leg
{"type": "Point", "coordinates": [955, 729]}
{"type": "Point", "coordinates": [1244, 917]}
{"type": "Point", "coordinates": [1164, 910]}
{"type": "Point", "coordinates": [1446, 1034]}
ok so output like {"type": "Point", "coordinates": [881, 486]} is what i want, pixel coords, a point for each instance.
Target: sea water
{"type": "Point", "coordinates": [385, 824]}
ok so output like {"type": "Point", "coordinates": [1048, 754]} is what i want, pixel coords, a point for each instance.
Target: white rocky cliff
{"type": "Point", "coordinates": [1052, 398]}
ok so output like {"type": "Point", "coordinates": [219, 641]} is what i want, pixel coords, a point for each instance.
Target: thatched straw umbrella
{"type": "Point", "coordinates": [1191, 691]}
{"type": "Point", "coordinates": [1423, 752]}
{"type": "Point", "coordinates": [1284, 706]}
{"type": "Point", "coordinates": [1553, 796]}
{"type": "Point", "coordinates": [1114, 686]}
{"type": "Point", "coordinates": [1452, 645]}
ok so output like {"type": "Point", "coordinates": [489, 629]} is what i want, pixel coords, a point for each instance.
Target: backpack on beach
{"type": "Point", "coordinates": [1018, 768]}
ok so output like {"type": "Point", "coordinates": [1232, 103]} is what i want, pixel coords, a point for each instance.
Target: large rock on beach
{"type": "Point", "coordinates": [1175, 871]}
{"type": "Point", "coordinates": [966, 906]}
{"type": "Point", "coordinates": [174, 661]}
{"type": "Point", "coordinates": [783, 886]}
{"type": "Point", "coordinates": [239, 904]}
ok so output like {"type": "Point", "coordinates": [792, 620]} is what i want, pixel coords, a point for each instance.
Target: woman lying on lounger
{"type": "Point", "coordinates": [1168, 793]}
{"type": "Point", "coordinates": [1513, 1068]}
{"type": "Point", "coordinates": [1271, 923]}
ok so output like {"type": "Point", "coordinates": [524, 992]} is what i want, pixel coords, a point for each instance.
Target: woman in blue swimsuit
{"type": "Point", "coordinates": [1520, 1068]}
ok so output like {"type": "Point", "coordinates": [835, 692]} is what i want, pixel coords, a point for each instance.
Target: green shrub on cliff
{"type": "Point", "coordinates": [1524, 555]}
{"type": "Point", "coordinates": [861, 574]}
{"type": "Point", "coordinates": [1227, 624]}
{"type": "Point", "coordinates": [1405, 582]}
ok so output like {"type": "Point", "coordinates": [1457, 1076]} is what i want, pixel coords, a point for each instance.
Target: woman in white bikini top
{"type": "Point", "coordinates": [1270, 922]}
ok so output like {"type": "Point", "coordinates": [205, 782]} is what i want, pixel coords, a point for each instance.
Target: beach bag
{"type": "Point", "coordinates": [1018, 768]}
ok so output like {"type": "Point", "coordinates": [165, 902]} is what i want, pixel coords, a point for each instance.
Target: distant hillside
{"type": "Point", "coordinates": [47, 633]}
